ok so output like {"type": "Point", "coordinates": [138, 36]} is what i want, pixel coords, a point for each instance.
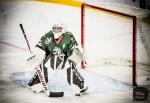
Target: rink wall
{"type": "Point", "coordinates": [64, 2]}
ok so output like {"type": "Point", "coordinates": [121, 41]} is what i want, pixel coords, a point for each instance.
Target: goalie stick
{"type": "Point", "coordinates": [39, 71]}
{"type": "Point", "coordinates": [27, 42]}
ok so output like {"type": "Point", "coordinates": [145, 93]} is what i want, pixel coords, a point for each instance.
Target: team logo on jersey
{"type": "Point", "coordinates": [56, 51]}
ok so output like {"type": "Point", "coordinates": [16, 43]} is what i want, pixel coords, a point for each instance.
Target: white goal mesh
{"type": "Point", "coordinates": [108, 39]}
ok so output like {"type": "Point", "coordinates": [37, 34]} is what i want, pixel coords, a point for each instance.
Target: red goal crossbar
{"type": "Point", "coordinates": [133, 34]}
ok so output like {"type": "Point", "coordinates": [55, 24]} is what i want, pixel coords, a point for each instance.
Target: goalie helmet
{"type": "Point", "coordinates": [57, 30]}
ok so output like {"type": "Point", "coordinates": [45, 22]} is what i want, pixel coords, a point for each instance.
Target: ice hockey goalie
{"type": "Point", "coordinates": [54, 50]}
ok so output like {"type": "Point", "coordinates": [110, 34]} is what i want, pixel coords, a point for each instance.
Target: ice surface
{"type": "Point", "coordinates": [95, 83]}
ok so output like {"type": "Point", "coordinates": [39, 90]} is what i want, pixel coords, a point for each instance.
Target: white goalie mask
{"type": "Point", "coordinates": [57, 30]}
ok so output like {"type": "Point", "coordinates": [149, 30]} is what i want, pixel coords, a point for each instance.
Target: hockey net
{"type": "Point", "coordinates": [109, 37]}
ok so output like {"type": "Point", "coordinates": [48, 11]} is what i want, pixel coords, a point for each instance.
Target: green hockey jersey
{"type": "Point", "coordinates": [64, 45]}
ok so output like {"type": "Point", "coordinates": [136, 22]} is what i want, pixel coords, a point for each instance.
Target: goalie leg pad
{"type": "Point", "coordinates": [74, 77]}
{"type": "Point", "coordinates": [35, 79]}
{"type": "Point", "coordinates": [78, 79]}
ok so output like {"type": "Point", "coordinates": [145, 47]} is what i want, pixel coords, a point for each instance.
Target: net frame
{"type": "Point", "coordinates": [134, 29]}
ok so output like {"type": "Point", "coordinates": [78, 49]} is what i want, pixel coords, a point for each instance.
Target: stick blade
{"type": "Point", "coordinates": [56, 94]}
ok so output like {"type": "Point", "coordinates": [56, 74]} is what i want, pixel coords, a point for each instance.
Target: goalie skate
{"type": "Point", "coordinates": [82, 92]}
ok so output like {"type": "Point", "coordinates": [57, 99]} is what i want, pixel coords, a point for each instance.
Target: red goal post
{"type": "Point", "coordinates": [83, 6]}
